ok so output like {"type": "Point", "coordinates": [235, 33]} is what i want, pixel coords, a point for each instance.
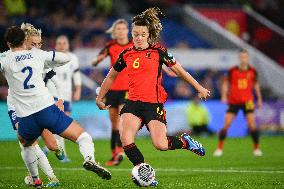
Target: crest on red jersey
{"type": "Point", "coordinates": [148, 54]}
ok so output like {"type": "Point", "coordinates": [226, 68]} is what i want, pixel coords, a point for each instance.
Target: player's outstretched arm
{"type": "Point", "coordinates": [258, 94]}
{"type": "Point", "coordinates": [178, 69]}
{"type": "Point", "coordinates": [169, 72]}
{"type": "Point", "coordinates": [111, 76]}
{"type": "Point", "coordinates": [98, 59]}
{"type": "Point", "coordinates": [56, 59]}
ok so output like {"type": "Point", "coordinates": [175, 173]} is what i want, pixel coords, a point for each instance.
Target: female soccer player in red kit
{"type": "Point", "coordinates": [143, 63]}
{"type": "Point", "coordinates": [118, 92]}
{"type": "Point", "coordinates": [237, 91]}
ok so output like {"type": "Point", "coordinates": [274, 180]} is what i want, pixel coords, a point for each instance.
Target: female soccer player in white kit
{"type": "Point", "coordinates": [34, 104]}
{"type": "Point", "coordinates": [67, 75]}
{"type": "Point", "coordinates": [33, 39]}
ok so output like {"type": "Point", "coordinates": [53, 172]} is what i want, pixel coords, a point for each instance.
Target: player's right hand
{"type": "Point", "coordinates": [203, 93]}
{"type": "Point", "coordinates": [101, 105]}
{"type": "Point", "coordinates": [60, 105]}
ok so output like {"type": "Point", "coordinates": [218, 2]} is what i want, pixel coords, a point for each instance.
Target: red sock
{"type": "Point", "coordinates": [118, 150]}
{"type": "Point", "coordinates": [255, 146]}
{"type": "Point", "coordinates": [220, 144]}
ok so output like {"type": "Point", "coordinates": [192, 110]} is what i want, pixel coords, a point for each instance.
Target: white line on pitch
{"type": "Point", "coordinates": [204, 170]}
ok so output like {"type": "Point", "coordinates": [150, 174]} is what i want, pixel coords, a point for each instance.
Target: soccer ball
{"type": "Point", "coordinates": [28, 180]}
{"type": "Point", "coordinates": [143, 175]}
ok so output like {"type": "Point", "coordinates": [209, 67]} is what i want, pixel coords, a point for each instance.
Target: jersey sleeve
{"type": "Point", "coordinates": [54, 59]}
{"type": "Point", "coordinates": [120, 63]}
{"type": "Point", "coordinates": [166, 57]}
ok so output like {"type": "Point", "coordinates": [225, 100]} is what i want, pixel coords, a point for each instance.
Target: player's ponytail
{"type": "Point", "coordinates": [30, 30]}
{"type": "Point", "coordinates": [150, 19]}
{"type": "Point", "coordinates": [111, 30]}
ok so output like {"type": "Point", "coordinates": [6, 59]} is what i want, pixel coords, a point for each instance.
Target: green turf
{"type": "Point", "coordinates": [237, 168]}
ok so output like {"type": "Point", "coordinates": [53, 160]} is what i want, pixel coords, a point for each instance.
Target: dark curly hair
{"type": "Point", "coordinates": [14, 36]}
{"type": "Point", "coordinates": [150, 19]}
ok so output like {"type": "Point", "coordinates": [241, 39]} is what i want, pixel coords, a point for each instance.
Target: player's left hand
{"type": "Point", "coordinates": [101, 105]}
{"type": "Point", "coordinates": [60, 104]}
{"type": "Point", "coordinates": [203, 93]}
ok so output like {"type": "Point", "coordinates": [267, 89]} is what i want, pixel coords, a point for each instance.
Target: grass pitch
{"type": "Point", "coordinates": [237, 168]}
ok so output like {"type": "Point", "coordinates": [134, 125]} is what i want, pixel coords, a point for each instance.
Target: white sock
{"type": "Point", "coordinates": [86, 145]}
{"type": "Point", "coordinates": [61, 143]}
{"type": "Point", "coordinates": [43, 162]}
{"type": "Point", "coordinates": [29, 158]}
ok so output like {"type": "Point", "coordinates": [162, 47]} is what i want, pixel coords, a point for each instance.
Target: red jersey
{"type": "Point", "coordinates": [241, 85]}
{"type": "Point", "coordinates": [144, 68]}
{"type": "Point", "coordinates": [113, 49]}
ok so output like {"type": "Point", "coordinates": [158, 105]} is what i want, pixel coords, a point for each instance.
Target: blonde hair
{"type": "Point", "coordinates": [112, 28]}
{"type": "Point", "coordinates": [150, 19]}
{"type": "Point", "coordinates": [30, 30]}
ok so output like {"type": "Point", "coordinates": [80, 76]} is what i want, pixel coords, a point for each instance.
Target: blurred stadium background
{"type": "Point", "coordinates": [204, 36]}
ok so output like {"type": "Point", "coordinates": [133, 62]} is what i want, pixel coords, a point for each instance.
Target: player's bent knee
{"type": "Point", "coordinates": [73, 131]}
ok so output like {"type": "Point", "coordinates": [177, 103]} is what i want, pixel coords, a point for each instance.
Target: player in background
{"type": "Point", "coordinates": [143, 63]}
{"type": "Point", "coordinates": [237, 92]}
{"type": "Point", "coordinates": [34, 104]}
{"type": "Point", "coordinates": [118, 92]}
{"type": "Point", "coordinates": [33, 39]}
{"type": "Point", "coordinates": [67, 75]}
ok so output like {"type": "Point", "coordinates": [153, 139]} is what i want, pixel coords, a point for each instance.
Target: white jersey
{"type": "Point", "coordinates": [59, 88]}
{"type": "Point", "coordinates": [10, 103]}
{"type": "Point", "coordinates": [65, 75]}
{"type": "Point", "coordinates": [23, 71]}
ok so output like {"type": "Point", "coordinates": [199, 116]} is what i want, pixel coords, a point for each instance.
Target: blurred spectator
{"type": "Point", "coordinates": [85, 21]}
{"type": "Point", "coordinates": [182, 45]}
{"type": "Point", "coordinates": [211, 84]}
{"type": "Point", "coordinates": [104, 6]}
{"type": "Point", "coordinates": [3, 14]}
{"type": "Point", "coordinates": [15, 7]}
{"type": "Point", "coordinates": [182, 90]}
{"type": "Point", "coordinates": [198, 117]}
